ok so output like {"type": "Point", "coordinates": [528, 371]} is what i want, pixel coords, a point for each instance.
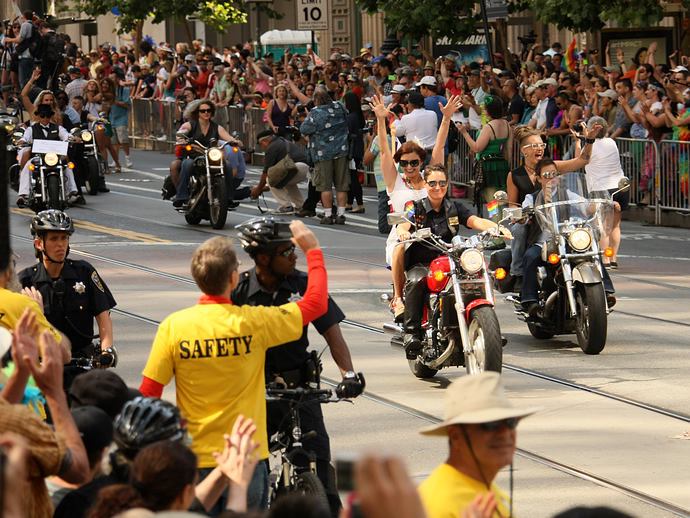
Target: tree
{"type": "Point", "coordinates": [218, 14]}
{"type": "Point", "coordinates": [455, 19]}
{"type": "Point", "coordinates": [589, 15]}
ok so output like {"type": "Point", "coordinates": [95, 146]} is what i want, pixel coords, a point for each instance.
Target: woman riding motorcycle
{"type": "Point", "coordinates": [202, 129]}
{"type": "Point", "coordinates": [444, 218]}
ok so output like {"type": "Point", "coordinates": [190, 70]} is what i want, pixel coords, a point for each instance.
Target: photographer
{"type": "Point", "coordinates": [52, 56]}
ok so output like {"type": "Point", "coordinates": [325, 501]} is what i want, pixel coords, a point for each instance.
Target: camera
{"type": "Point", "coordinates": [579, 126]}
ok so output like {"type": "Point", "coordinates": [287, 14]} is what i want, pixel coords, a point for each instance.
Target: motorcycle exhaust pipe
{"type": "Point", "coordinates": [393, 328]}
{"type": "Point", "coordinates": [550, 302]}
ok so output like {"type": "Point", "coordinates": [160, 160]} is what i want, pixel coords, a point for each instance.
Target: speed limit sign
{"type": "Point", "coordinates": [312, 14]}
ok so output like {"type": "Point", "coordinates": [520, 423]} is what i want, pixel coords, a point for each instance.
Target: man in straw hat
{"type": "Point", "coordinates": [480, 423]}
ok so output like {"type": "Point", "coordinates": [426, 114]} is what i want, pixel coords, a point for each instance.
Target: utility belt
{"type": "Point", "coordinates": [308, 375]}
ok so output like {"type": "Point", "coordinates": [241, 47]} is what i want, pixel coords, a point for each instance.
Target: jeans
{"type": "Point", "coordinates": [530, 284]}
{"type": "Point", "coordinates": [383, 211]}
{"type": "Point", "coordinates": [185, 174]}
{"type": "Point", "coordinates": [517, 248]}
{"type": "Point", "coordinates": [415, 295]}
{"type": "Point", "coordinates": [26, 68]}
{"type": "Point", "coordinates": [257, 493]}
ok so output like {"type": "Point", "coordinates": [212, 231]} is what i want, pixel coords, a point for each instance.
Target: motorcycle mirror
{"type": "Point", "coordinates": [395, 218]}
{"type": "Point", "coordinates": [458, 242]}
{"type": "Point", "coordinates": [514, 213]}
{"type": "Point", "coordinates": [75, 131]}
{"type": "Point", "coordinates": [212, 142]}
{"type": "Point", "coordinates": [501, 196]}
{"type": "Point", "coordinates": [180, 135]}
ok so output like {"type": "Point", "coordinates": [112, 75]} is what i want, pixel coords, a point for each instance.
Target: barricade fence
{"type": "Point", "coordinates": [658, 172]}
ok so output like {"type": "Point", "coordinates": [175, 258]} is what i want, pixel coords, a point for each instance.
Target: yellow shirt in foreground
{"type": "Point", "coordinates": [447, 492]}
{"type": "Point", "coordinates": [216, 351]}
{"type": "Point", "coordinates": [12, 305]}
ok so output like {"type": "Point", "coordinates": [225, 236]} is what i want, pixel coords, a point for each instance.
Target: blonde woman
{"type": "Point", "coordinates": [279, 110]}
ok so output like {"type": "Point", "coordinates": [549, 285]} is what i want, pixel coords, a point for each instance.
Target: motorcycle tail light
{"type": "Point", "coordinates": [608, 252]}
{"type": "Point", "coordinates": [437, 277]}
{"type": "Point", "coordinates": [500, 274]}
{"type": "Point", "coordinates": [554, 258]}
{"type": "Point", "coordinates": [70, 165]}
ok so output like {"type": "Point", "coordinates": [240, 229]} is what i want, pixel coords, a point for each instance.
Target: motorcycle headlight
{"type": "Point", "coordinates": [580, 239]}
{"type": "Point", "coordinates": [215, 155]}
{"type": "Point", "coordinates": [86, 136]}
{"type": "Point", "coordinates": [472, 260]}
{"type": "Point", "coordinates": [51, 159]}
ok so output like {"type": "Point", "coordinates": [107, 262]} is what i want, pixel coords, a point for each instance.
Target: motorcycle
{"type": "Point", "coordinates": [207, 190]}
{"type": "Point", "coordinates": [459, 322]}
{"type": "Point", "coordinates": [48, 180]}
{"type": "Point", "coordinates": [571, 291]}
{"type": "Point", "coordinates": [94, 164]}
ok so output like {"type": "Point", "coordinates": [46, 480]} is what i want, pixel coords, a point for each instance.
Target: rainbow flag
{"type": "Point", "coordinates": [492, 207]}
{"type": "Point", "coordinates": [570, 57]}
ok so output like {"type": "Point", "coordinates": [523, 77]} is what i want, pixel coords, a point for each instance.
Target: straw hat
{"type": "Point", "coordinates": [475, 399]}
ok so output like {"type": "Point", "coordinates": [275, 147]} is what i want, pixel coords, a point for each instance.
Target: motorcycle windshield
{"type": "Point", "coordinates": [565, 202]}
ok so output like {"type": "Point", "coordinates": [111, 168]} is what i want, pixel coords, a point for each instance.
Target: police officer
{"type": "Point", "coordinates": [274, 281]}
{"type": "Point", "coordinates": [72, 292]}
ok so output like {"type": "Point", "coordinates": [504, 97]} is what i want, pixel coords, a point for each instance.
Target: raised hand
{"type": "Point", "coordinates": [379, 107]}
{"type": "Point", "coordinates": [48, 375]}
{"type": "Point", "coordinates": [483, 506]}
{"type": "Point", "coordinates": [24, 344]}
{"type": "Point", "coordinates": [453, 105]}
{"type": "Point", "coordinates": [35, 295]}
{"type": "Point", "coordinates": [237, 461]}
{"type": "Point", "coordinates": [303, 237]}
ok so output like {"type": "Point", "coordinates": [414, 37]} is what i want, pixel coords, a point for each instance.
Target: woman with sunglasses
{"type": "Point", "coordinates": [402, 174]}
{"type": "Point", "coordinates": [522, 181]}
{"type": "Point", "coordinates": [445, 218]}
{"type": "Point", "coordinates": [202, 129]}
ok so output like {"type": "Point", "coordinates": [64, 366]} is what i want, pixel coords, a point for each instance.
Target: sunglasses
{"type": "Point", "coordinates": [510, 423]}
{"type": "Point", "coordinates": [411, 163]}
{"type": "Point", "coordinates": [205, 110]}
{"type": "Point", "coordinates": [549, 174]}
{"type": "Point", "coordinates": [287, 252]}
{"type": "Point", "coordinates": [439, 183]}
{"type": "Point", "coordinates": [534, 146]}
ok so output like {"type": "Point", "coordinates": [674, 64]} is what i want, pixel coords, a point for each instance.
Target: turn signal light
{"type": "Point", "coordinates": [188, 147]}
{"type": "Point", "coordinates": [500, 274]}
{"type": "Point", "coordinates": [32, 168]}
{"type": "Point", "coordinates": [554, 258]}
{"type": "Point", "coordinates": [608, 252]}
{"type": "Point", "coordinates": [70, 165]}
{"type": "Point", "coordinates": [235, 149]}
{"type": "Point", "coordinates": [439, 275]}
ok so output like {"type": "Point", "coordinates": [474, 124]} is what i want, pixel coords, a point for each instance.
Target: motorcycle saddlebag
{"type": "Point", "coordinates": [168, 190]}
{"type": "Point", "coordinates": [502, 259]}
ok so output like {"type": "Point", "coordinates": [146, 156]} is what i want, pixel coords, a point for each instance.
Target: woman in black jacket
{"type": "Point", "coordinates": [355, 125]}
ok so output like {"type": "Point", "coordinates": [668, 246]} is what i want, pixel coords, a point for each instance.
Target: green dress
{"type": "Point", "coordinates": [495, 167]}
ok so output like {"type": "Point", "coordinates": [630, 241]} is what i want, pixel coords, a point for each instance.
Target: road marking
{"type": "Point", "coordinates": [88, 225]}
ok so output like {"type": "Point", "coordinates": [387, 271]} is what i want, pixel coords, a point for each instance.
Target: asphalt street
{"type": "Point", "coordinates": [141, 247]}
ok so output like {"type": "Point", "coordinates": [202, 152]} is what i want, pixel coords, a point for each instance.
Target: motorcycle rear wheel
{"type": "Point", "coordinates": [192, 218]}
{"type": "Point", "coordinates": [538, 332]}
{"type": "Point", "coordinates": [92, 175]}
{"type": "Point", "coordinates": [591, 324]}
{"type": "Point", "coordinates": [484, 334]}
{"type": "Point", "coordinates": [420, 370]}
{"type": "Point", "coordinates": [308, 483]}
{"type": "Point", "coordinates": [218, 211]}
{"type": "Point", "coordinates": [53, 192]}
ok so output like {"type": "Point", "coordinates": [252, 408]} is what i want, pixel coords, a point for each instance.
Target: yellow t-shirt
{"type": "Point", "coordinates": [217, 351]}
{"type": "Point", "coordinates": [12, 305]}
{"type": "Point", "coordinates": [447, 492]}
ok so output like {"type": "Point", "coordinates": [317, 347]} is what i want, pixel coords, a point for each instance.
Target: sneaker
{"type": "Point", "coordinates": [111, 165]}
{"type": "Point", "coordinates": [103, 188]}
{"type": "Point", "coordinates": [413, 346]}
{"type": "Point", "coordinates": [285, 209]}
{"type": "Point", "coordinates": [358, 210]}
{"type": "Point", "coordinates": [613, 265]}
{"type": "Point", "coordinates": [128, 161]}
{"type": "Point", "coordinates": [118, 169]}
{"type": "Point", "coordinates": [161, 138]}
{"type": "Point", "coordinates": [178, 203]}
{"type": "Point", "coordinates": [22, 201]}
{"type": "Point", "coordinates": [348, 208]}
{"type": "Point", "coordinates": [531, 308]}
{"type": "Point", "coordinates": [326, 220]}
{"type": "Point", "coordinates": [73, 198]}
{"type": "Point", "coordinates": [232, 205]}
{"type": "Point", "coordinates": [339, 220]}
{"type": "Point", "coordinates": [306, 213]}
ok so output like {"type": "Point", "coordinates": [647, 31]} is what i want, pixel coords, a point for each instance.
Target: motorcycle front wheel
{"type": "Point", "coordinates": [192, 218]}
{"type": "Point", "coordinates": [308, 483]}
{"type": "Point", "coordinates": [92, 175]}
{"type": "Point", "coordinates": [53, 192]}
{"type": "Point", "coordinates": [591, 324]}
{"type": "Point", "coordinates": [420, 370]}
{"type": "Point", "coordinates": [485, 347]}
{"type": "Point", "coordinates": [218, 211]}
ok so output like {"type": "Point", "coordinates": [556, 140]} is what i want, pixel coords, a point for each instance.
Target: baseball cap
{"type": "Point", "coordinates": [398, 89]}
{"type": "Point", "coordinates": [95, 428]}
{"type": "Point", "coordinates": [189, 57]}
{"type": "Point", "coordinates": [101, 388]}
{"type": "Point", "coordinates": [263, 134]}
{"type": "Point", "coordinates": [218, 68]}
{"type": "Point", "coordinates": [182, 70]}
{"type": "Point", "coordinates": [549, 81]}
{"type": "Point", "coordinates": [679, 68]}
{"type": "Point", "coordinates": [611, 94]}
{"type": "Point", "coordinates": [428, 81]}
{"type": "Point", "coordinates": [428, 66]}
{"type": "Point", "coordinates": [194, 68]}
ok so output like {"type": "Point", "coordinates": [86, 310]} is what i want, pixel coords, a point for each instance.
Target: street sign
{"type": "Point", "coordinates": [312, 15]}
{"type": "Point", "coordinates": [496, 9]}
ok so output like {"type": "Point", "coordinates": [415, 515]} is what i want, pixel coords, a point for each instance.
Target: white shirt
{"type": "Point", "coordinates": [420, 125]}
{"type": "Point", "coordinates": [479, 95]}
{"type": "Point", "coordinates": [473, 118]}
{"type": "Point", "coordinates": [540, 113]}
{"type": "Point", "coordinates": [604, 168]}
{"type": "Point", "coordinates": [29, 134]}
{"type": "Point", "coordinates": [75, 87]}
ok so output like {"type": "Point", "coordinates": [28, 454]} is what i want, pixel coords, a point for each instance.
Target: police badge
{"type": "Point", "coordinates": [79, 287]}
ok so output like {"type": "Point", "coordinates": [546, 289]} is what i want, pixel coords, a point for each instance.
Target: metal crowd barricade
{"type": "Point", "coordinates": [640, 162]}
{"type": "Point", "coordinates": [461, 162]}
{"type": "Point", "coordinates": [672, 180]}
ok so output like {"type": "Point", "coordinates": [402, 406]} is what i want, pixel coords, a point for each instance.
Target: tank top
{"type": "Point", "coordinates": [400, 195]}
{"type": "Point", "coordinates": [280, 118]}
{"type": "Point", "coordinates": [523, 183]}
{"type": "Point", "coordinates": [197, 135]}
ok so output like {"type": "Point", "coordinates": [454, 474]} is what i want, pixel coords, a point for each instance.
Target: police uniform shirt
{"type": "Point", "coordinates": [291, 355]}
{"type": "Point", "coordinates": [84, 295]}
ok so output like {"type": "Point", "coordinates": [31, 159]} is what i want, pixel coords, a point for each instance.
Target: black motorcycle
{"type": "Point", "coordinates": [207, 189]}
{"type": "Point", "coordinates": [48, 181]}
{"type": "Point", "coordinates": [94, 164]}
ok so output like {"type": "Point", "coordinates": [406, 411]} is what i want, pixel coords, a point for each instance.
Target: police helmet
{"type": "Point", "coordinates": [144, 421]}
{"type": "Point", "coordinates": [51, 220]}
{"type": "Point", "coordinates": [263, 234]}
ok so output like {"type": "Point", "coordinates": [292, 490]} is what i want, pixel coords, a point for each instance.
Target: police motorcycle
{"type": "Point", "coordinates": [94, 164]}
{"type": "Point", "coordinates": [48, 180]}
{"type": "Point", "coordinates": [207, 189]}
{"type": "Point", "coordinates": [571, 291]}
{"type": "Point", "coordinates": [459, 322]}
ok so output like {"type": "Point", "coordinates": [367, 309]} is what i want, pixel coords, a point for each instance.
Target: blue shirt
{"type": "Point", "coordinates": [431, 103]}
{"type": "Point", "coordinates": [120, 116]}
{"type": "Point", "coordinates": [326, 127]}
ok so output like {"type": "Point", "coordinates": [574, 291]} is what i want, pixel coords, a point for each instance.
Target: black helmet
{"type": "Point", "coordinates": [51, 220]}
{"type": "Point", "coordinates": [144, 421]}
{"type": "Point", "coordinates": [264, 233]}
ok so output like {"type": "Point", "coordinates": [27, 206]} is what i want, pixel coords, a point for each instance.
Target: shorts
{"type": "Point", "coordinates": [329, 173]}
{"type": "Point", "coordinates": [120, 135]}
{"type": "Point", "coordinates": [623, 198]}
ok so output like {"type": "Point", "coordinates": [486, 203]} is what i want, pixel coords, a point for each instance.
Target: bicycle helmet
{"type": "Point", "coordinates": [51, 220]}
{"type": "Point", "coordinates": [263, 234]}
{"type": "Point", "coordinates": [144, 421]}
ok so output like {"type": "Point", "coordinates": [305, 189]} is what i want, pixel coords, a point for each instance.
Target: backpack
{"type": "Point", "coordinates": [33, 43]}
{"type": "Point", "coordinates": [53, 47]}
